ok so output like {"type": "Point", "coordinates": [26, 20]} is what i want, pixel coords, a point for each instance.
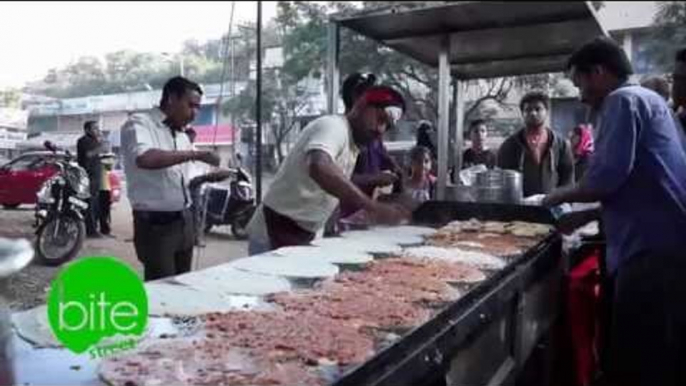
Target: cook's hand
{"type": "Point", "coordinates": [221, 175]}
{"type": "Point", "coordinates": [570, 222]}
{"type": "Point", "coordinates": [551, 200]}
{"type": "Point", "coordinates": [207, 157]}
{"type": "Point", "coordinates": [385, 178]}
{"type": "Point", "coordinates": [389, 214]}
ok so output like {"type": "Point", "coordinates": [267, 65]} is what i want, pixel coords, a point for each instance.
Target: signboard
{"type": "Point", "coordinates": [9, 139]}
{"type": "Point", "coordinates": [224, 135]}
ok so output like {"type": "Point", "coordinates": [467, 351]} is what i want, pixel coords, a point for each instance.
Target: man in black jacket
{"type": "Point", "coordinates": [88, 149]}
{"type": "Point", "coordinates": [543, 157]}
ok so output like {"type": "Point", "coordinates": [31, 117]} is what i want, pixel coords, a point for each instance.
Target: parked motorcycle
{"type": "Point", "coordinates": [233, 206]}
{"type": "Point", "coordinates": [60, 211]}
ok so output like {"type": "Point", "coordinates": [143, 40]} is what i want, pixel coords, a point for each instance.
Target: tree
{"type": "Point", "coordinates": [126, 70]}
{"type": "Point", "coordinates": [305, 47]}
{"type": "Point", "coordinates": [282, 103]}
{"type": "Point", "coordinates": [668, 35]}
{"type": "Point", "coordinates": [285, 93]}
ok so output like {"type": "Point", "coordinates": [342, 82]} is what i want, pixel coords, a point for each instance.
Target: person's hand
{"type": "Point", "coordinates": [222, 174]}
{"type": "Point", "coordinates": [388, 214]}
{"type": "Point", "coordinates": [681, 112]}
{"type": "Point", "coordinates": [207, 157]}
{"type": "Point", "coordinates": [570, 222]}
{"type": "Point", "coordinates": [551, 200]}
{"type": "Point", "coordinates": [385, 178]}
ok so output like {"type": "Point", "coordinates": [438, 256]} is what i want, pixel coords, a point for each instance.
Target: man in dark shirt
{"type": "Point", "coordinates": [543, 157]}
{"type": "Point", "coordinates": [88, 149]}
{"type": "Point", "coordinates": [637, 174]}
{"type": "Point", "coordinates": [478, 154]}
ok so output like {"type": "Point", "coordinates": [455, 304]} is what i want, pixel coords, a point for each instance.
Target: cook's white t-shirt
{"type": "Point", "coordinates": [293, 193]}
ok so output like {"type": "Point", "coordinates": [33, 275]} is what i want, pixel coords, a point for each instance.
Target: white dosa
{"type": "Point", "coordinates": [224, 279]}
{"type": "Point", "coordinates": [171, 299]}
{"type": "Point", "coordinates": [296, 267]}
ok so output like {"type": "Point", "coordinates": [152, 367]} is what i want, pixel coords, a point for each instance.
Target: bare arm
{"type": "Point", "coordinates": [566, 165]}
{"type": "Point", "coordinates": [570, 222]}
{"type": "Point", "coordinates": [331, 179]}
{"type": "Point", "coordinates": [217, 176]}
{"type": "Point", "coordinates": [160, 159]}
{"type": "Point", "coordinates": [574, 193]}
{"type": "Point", "coordinates": [374, 180]}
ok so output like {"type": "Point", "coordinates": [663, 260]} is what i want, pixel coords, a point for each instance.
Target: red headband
{"type": "Point", "coordinates": [384, 96]}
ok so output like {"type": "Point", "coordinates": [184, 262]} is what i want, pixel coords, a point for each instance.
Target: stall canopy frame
{"type": "Point", "coordinates": [470, 40]}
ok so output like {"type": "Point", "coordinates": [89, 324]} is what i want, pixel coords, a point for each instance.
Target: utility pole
{"type": "Point", "coordinates": [233, 92]}
{"type": "Point", "coordinates": [258, 107]}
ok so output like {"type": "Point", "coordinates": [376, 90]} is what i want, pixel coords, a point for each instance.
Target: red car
{"type": "Point", "coordinates": [21, 178]}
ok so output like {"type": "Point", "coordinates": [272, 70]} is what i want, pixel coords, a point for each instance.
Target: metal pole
{"type": "Point", "coordinates": [459, 125]}
{"type": "Point", "coordinates": [258, 107]}
{"type": "Point", "coordinates": [443, 116]}
{"type": "Point", "coordinates": [233, 95]}
{"type": "Point", "coordinates": [333, 74]}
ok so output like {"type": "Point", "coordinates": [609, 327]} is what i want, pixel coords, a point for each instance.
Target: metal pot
{"type": "Point", "coordinates": [499, 186]}
{"type": "Point", "coordinates": [14, 256]}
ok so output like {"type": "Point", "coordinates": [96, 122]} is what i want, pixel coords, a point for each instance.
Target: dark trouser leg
{"type": "Point", "coordinates": [648, 333]}
{"type": "Point", "coordinates": [184, 256]}
{"type": "Point", "coordinates": [104, 212]}
{"type": "Point", "coordinates": [92, 213]}
{"type": "Point", "coordinates": [157, 246]}
{"type": "Point", "coordinates": [183, 260]}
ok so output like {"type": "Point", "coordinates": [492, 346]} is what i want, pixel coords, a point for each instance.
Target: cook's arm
{"type": "Point", "coordinates": [329, 177]}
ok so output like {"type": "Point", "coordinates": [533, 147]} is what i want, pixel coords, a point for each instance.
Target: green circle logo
{"type": "Point", "coordinates": [96, 298]}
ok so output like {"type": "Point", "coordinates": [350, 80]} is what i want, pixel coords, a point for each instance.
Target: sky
{"type": "Point", "coordinates": [38, 36]}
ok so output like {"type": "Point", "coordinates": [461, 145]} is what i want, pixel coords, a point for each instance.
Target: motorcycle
{"type": "Point", "coordinates": [62, 202]}
{"type": "Point", "coordinates": [233, 206]}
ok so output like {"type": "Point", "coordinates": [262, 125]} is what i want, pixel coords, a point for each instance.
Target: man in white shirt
{"type": "Point", "coordinates": [316, 174]}
{"type": "Point", "coordinates": [157, 160]}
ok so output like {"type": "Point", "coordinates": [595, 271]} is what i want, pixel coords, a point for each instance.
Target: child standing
{"type": "Point", "coordinates": [421, 185]}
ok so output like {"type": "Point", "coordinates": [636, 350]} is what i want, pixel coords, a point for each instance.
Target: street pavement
{"type": "Point", "coordinates": [29, 287]}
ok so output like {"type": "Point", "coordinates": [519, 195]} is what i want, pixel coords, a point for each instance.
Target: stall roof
{"type": "Point", "coordinates": [486, 39]}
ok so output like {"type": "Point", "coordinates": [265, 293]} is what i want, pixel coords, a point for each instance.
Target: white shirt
{"type": "Point", "coordinates": [293, 193]}
{"type": "Point", "coordinates": [159, 189]}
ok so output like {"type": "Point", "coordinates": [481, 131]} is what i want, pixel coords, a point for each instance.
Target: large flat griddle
{"type": "Point", "coordinates": [485, 336]}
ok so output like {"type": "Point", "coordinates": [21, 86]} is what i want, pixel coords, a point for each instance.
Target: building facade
{"type": "Point", "coordinates": [61, 121]}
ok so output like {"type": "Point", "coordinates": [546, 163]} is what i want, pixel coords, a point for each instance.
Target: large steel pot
{"type": "Point", "coordinates": [14, 256]}
{"type": "Point", "coordinates": [499, 186]}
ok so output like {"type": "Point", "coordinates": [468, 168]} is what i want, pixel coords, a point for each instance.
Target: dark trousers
{"type": "Point", "coordinates": [93, 208]}
{"type": "Point", "coordinates": [647, 334]}
{"type": "Point", "coordinates": [163, 242]}
{"type": "Point", "coordinates": [104, 211]}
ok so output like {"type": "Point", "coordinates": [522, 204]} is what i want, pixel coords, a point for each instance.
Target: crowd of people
{"type": "Point", "coordinates": [632, 161]}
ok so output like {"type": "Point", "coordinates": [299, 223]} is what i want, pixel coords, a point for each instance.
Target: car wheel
{"type": "Point", "coordinates": [10, 206]}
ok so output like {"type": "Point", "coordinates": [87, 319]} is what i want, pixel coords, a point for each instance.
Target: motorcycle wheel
{"type": "Point", "coordinates": [55, 249]}
{"type": "Point", "coordinates": [240, 223]}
